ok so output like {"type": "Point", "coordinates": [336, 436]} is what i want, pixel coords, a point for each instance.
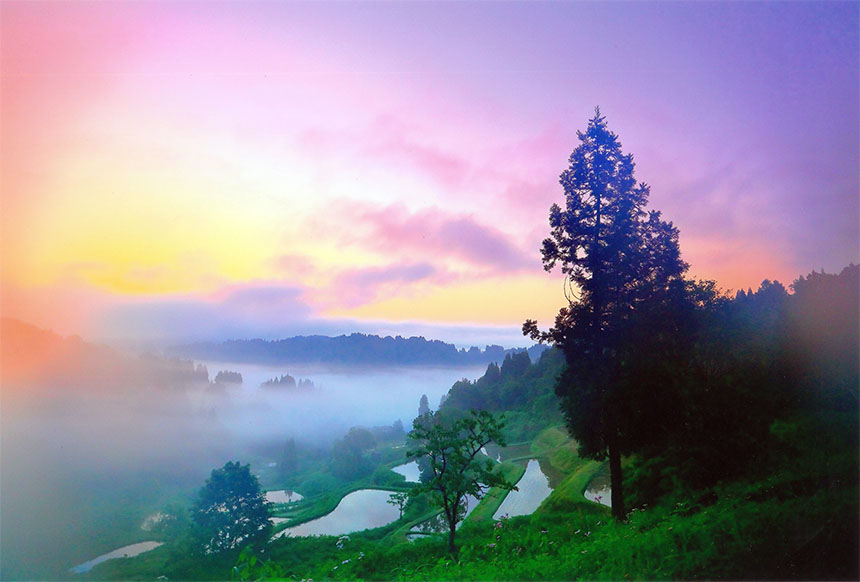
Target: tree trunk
{"type": "Point", "coordinates": [618, 511]}
{"type": "Point", "coordinates": [452, 549]}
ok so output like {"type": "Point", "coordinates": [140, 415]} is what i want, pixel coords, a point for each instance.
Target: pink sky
{"type": "Point", "coordinates": [201, 169]}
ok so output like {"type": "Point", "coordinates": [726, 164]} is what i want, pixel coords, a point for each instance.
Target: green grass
{"type": "Point", "coordinates": [569, 493]}
{"type": "Point", "coordinates": [549, 439]}
{"type": "Point", "coordinates": [796, 520]}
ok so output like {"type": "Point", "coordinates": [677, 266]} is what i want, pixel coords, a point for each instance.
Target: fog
{"type": "Point", "coordinates": [341, 398]}
{"type": "Point", "coordinates": [81, 462]}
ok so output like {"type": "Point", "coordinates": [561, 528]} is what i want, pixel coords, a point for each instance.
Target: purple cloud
{"type": "Point", "coordinates": [432, 234]}
{"type": "Point", "coordinates": [359, 286]}
{"type": "Point", "coordinates": [265, 308]}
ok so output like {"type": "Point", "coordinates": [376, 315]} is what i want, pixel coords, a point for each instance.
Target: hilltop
{"type": "Point", "coordinates": [356, 349]}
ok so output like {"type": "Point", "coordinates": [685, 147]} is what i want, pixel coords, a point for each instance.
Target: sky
{"type": "Point", "coordinates": [204, 170]}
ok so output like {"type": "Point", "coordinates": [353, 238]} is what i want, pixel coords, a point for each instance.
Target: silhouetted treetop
{"type": "Point", "coordinates": [623, 269]}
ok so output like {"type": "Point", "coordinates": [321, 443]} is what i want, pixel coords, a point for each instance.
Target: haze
{"type": "Point", "coordinates": [81, 448]}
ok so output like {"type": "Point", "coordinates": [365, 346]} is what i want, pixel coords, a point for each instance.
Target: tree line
{"type": "Point", "coordinates": [669, 367]}
{"type": "Point", "coordinates": [354, 349]}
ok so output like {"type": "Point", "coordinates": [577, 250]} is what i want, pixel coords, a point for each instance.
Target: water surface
{"type": "Point", "coordinates": [410, 471]}
{"type": "Point", "coordinates": [362, 509]}
{"type": "Point", "coordinates": [533, 488]}
{"type": "Point", "coordinates": [599, 489]}
{"type": "Point", "coordinates": [123, 552]}
{"type": "Point", "coordinates": [439, 524]}
{"type": "Point", "coordinates": [283, 496]}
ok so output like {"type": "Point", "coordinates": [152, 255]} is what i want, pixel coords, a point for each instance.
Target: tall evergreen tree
{"type": "Point", "coordinates": [423, 405]}
{"type": "Point", "coordinates": [623, 266]}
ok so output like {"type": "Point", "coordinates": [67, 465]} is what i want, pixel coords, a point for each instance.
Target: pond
{"type": "Point", "coordinates": [599, 489]}
{"type": "Point", "coordinates": [123, 552]}
{"type": "Point", "coordinates": [362, 509]}
{"type": "Point", "coordinates": [438, 523]}
{"type": "Point", "coordinates": [602, 496]}
{"type": "Point", "coordinates": [410, 471]}
{"type": "Point", "coordinates": [283, 496]}
{"type": "Point", "coordinates": [517, 451]}
{"type": "Point", "coordinates": [533, 488]}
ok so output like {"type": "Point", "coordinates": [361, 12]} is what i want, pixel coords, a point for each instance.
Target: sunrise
{"type": "Point", "coordinates": [182, 179]}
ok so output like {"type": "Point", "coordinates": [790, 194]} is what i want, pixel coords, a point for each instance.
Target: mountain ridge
{"type": "Point", "coordinates": [353, 349]}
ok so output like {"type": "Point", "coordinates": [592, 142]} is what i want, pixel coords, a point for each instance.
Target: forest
{"type": "Point", "coordinates": [356, 349]}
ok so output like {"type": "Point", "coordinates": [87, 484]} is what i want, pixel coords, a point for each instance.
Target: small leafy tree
{"type": "Point", "coordinates": [452, 449]}
{"type": "Point", "coordinates": [398, 500]}
{"type": "Point", "coordinates": [230, 510]}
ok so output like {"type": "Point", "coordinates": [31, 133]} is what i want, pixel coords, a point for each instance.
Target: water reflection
{"type": "Point", "coordinates": [602, 496]}
{"type": "Point", "coordinates": [410, 471]}
{"type": "Point", "coordinates": [283, 496]}
{"type": "Point", "coordinates": [439, 524]}
{"type": "Point", "coordinates": [518, 451]}
{"type": "Point", "coordinates": [362, 509]}
{"type": "Point", "coordinates": [123, 552]}
{"type": "Point", "coordinates": [599, 489]}
{"type": "Point", "coordinates": [533, 488]}
{"type": "Point", "coordinates": [555, 476]}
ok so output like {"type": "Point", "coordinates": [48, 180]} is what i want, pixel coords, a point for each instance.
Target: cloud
{"type": "Point", "coordinates": [437, 237]}
{"type": "Point", "coordinates": [356, 287]}
{"type": "Point", "coordinates": [293, 265]}
{"type": "Point", "coordinates": [396, 144]}
{"type": "Point", "coordinates": [268, 310]}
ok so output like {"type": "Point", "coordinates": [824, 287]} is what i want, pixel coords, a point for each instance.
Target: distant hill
{"type": "Point", "coordinates": [353, 350]}
{"type": "Point", "coordinates": [30, 356]}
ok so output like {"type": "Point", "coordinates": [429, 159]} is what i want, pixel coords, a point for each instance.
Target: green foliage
{"type": "Point", "coordinates": [797, 521]}
{"type": "Point", "coordinates": [385, 477]}
{"type": "Point", "coordinates": [492, 500]}
{"type": "Point", "coordinates": [318, 483]}
{"type": "Point", "coordinates": [625, 272]}
{"type": "Point", "coordinates": [568, 495]}
{"type": "Point", "coordinates": [399, 500]}
{"type": "Point", "coordinates": [763, 357]}
{"type": "Point", "coordinates": [230, 510]}
{"type": "Point", "coordinates": [251, 567]}
{"type": "Point", "coordinates": [172, 525]}
{"type": "Point", "coordinates": [549, 439]}
{"type": "Point", "coordinates": [524, 393]}
{"type": "Point", "coordinates": [288, 460]}
{"type": "Point", "coordinates": [455, 472]}
{"type": "Point", "coordinates": [348, 458]}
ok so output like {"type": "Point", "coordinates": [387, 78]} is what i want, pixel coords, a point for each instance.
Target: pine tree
{"type": "Point", "coordinates": [423, 405]}
{"type": "Point", "coordinates": [622, 265]}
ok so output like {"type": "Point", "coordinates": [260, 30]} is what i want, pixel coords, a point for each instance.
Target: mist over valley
{"type": "Point", "coordinates": [91, 435]}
